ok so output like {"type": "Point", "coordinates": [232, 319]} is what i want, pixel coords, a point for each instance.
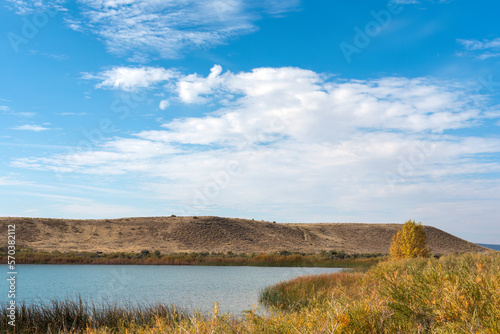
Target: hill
{"type": "Point", "coordinates": [215, 234]}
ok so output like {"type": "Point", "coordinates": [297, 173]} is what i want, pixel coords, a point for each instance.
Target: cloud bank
{"type": "Point", "coordinates": [292, 141]}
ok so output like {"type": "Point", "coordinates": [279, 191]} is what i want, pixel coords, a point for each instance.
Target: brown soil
{"type": "Point", "coordinates": [214, 234]}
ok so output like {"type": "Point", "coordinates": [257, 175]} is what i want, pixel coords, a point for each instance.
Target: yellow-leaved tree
{"type": "Point", "coordinates": [410, 241]}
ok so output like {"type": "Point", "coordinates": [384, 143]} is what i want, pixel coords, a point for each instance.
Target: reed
{"type": "Point", "coordinates": [77, 315]}
{"type": "Point", "coordinates": [275, 259]}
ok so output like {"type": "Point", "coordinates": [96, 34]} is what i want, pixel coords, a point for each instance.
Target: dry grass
{"type": "Point", "coordinates": [455, 294]}
{"type": "Point", "coordinates": [214, 234]}
{"type": "Point", "coordinates": [76, 316]}
{"type": "Point", "coordinates": [296, 294]}
{"type": "Point", "coordinates": [277, 259]}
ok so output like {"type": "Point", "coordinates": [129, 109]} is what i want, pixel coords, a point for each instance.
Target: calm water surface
{"type": "Point", "coordinates": [194, 287]}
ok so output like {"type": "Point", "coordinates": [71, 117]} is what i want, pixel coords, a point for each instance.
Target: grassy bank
{"type": "Point", "coordinates": [277, 259]}
{"type": "Point", "coordinates": [455, 294]}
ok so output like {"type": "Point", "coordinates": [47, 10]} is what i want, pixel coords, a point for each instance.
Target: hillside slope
{"type": "Point", "coordinates": [196, 234]}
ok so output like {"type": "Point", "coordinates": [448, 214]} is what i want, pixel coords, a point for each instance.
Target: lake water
{"type": "Point", "coordinates": [193, 287]}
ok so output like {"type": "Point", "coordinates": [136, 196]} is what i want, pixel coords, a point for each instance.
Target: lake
{"type": "Point", "coordinates": [193, 287]}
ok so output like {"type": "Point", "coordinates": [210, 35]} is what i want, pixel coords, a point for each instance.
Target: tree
{"type": "Point", "coordinates": [409, 242]}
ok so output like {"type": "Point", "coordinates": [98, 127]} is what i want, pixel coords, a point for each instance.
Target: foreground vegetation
{"type": "Point", "coordinates": [276, 259]}
{"type": "Point", "coordinates": [453, 294]}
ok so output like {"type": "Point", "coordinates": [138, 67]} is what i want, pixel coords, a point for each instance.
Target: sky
{"type": "Point", "coordinates": [287, 111]}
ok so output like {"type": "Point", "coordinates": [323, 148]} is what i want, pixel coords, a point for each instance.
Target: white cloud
{"type": "Point", "coordinates": [131, 154]}
{"type": "Point", "coordinates": [151, 28]}
{"type": "Point", "coordinates": [74, 24]}
{"type": "Point", "coordinates": [26, 114]}
{"type": "Point", "coordinates": [130, 78]}
{"type": "Point", "coordinates": [30, 127]}
{"type": "Point", "coordinates": [71, 114]}
{"type": "Point", "coordinates": [7, 110]}
{"type": "Point", "coordinates": [10, 181]}
{"type": "Point", "coordinates": [23, 7]}
{"type": "Point", "coordinates": [282, 105]}
{"type": "Point", "coordinates": [480, 45]}
{"type": "Point", "coordinates": [481, 49]}
{"type": "Point", "coordinates": [145, 29]}
{"type": "Point", "coordinates": [164, 104]}
{"type": "Point", "coordinates": [293, 142]}
{"type": "Point", "coordinates": [192, 86]}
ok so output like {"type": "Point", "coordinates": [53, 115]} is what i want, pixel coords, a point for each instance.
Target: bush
{"type": "Point", "coordinates": [285, 253]}
{"type": "Point", "coordinates": [409, 242]}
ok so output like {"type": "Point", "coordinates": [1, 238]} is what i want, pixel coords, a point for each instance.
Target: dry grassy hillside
{"type": "Point", "coordinates": [190, 234]}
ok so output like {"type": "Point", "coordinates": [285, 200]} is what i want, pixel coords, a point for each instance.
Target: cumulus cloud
{"type": "Point", "coordinates": [164, 104]}
{"type": "Point", "coordinates": [130, 78]}
{"type": "Point", "coordinates": [295, 140]}
{"type": "Point", "coordinates": [192, 86]}
{"type": "Point", "coordinates": [294, 94]}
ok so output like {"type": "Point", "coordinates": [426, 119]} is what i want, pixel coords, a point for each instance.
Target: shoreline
{"type": "Point", "coordinates": [324, 259]}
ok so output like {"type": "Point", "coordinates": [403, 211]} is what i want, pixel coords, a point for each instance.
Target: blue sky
{"type": "Point", "coordinates": [293, 111]}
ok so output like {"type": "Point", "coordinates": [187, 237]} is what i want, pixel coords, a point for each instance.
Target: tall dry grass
{"type": "Point", "coordinates": [455, 294]}
{"type": "Point", "coordinates": [77, 315]}
{"type": "Point", "coordinates": [305, 291]}
{"type": "Point", "coordinates": [275, 259]}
